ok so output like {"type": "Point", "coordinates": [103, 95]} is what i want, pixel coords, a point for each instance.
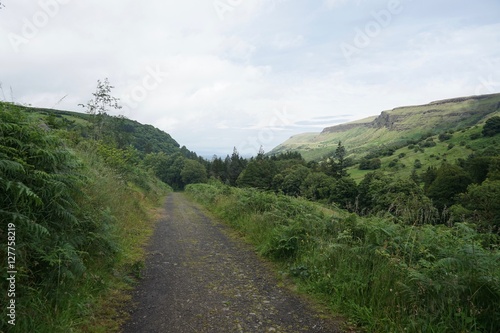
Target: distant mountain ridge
{"type": "Point", "coordinates": [393, 118]}
{"type": "Point", "coordinates": [396, 125]}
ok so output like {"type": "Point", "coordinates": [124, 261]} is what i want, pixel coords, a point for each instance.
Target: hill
{"type": "Point", "coordinates": [395, 128]}
{"type": "Point", "coordinates": [145, 138]}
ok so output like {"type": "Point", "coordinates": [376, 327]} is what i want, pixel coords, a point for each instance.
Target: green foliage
{"type": "Point", "coordinates": [99, 106]}
{"type": "Point", "coordinates": [402, 198]}
{"type": "Point", "coordinates": [259, 173]}
{"type": "Point", "coordinates": [40, 186]}
{"type": "Point", "coordinates": [72, 209]}
{"type": "Point", "coordinates": [193, 172]}
{"type": "Point", "coordinates": [492, 126]}
{"type": "Point", "coordinates": [234, 166]}
{"type": "Point", "coordinates": [478, 167]}
{"type": "Point", "coordinates": [417, 164]}
{"type": "Point", "coordinates": [293, 179]}
{"type": "Point", "coordinates": [450, 181]}
{"type": "Point", "coordinates": [428, 143]}
{"type": "Point", "coordinates": [370, 164]}
{"type": "Point", "coordinates": [484, 201]}
{"type": "Point", "coordinates": [444, 137]}
{"type": "Point", "coordinates": [337, 164]}
{"type": "Point", "coordinates": [388, 277]}
{"type": "Point", "coordinates": [317, 186]}
{"type": "Point", "coordinates": [344, 192]}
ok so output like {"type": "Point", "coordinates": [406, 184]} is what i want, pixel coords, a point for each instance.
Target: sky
{"type": "Point", "coordinates": [218, 74]}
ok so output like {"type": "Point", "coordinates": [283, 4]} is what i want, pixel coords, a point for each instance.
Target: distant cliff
{"type": "Point", "coordinates": [396, 125]}
{"type": "Point", "coordinates": [437, 113]}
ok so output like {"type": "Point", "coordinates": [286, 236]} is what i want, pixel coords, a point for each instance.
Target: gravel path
{"type": "Point", "coordinates": [197, 279]}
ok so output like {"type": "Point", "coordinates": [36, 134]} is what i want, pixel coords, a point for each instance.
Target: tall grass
{"type": "Point", "coordinates": [80, 224]}
{"type": "Point", "coordinates": [387, 277]}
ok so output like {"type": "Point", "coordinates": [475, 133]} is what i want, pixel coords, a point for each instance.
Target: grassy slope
{"type": "Point", "coordinates": [127, 203]}
{"type": "Point", "coordinates": [404, 123]}
{"type": "Point", "coordinates": [432, 156]}
{"type": "Point", "coordinates": [145, 138]}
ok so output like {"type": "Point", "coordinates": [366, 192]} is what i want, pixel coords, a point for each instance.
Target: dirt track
{"type": "Point", "coordinates": [198, 279]}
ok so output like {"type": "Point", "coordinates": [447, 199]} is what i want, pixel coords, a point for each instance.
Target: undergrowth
{"type": "Point", "coordinates": [387, 277]}
{"type": "Point", "coordinates": [79, 223]}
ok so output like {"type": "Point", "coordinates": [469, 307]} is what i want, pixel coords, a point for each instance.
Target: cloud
{"type": "Point", "coordinates": [334, 3]}
{"type": "Point", "coordinates": [270, 68]}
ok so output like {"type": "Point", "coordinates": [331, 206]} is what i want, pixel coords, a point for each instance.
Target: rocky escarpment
{"type": "Point", "coordinates": [467, 111]}
{"type": "Point", "coordinates": [343, 127]}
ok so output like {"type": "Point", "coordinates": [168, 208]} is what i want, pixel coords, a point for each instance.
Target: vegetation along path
{"type": "Point", "coordinates": [197, 279]}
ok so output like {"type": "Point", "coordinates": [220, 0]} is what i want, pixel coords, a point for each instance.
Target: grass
{"type": "Point", "coordinates": [463, 146]}
{"type": "Point", "coordinates": [95, 303]}
{"type": "Point", "coordinates": [386, 277]}
{"type": "Point", "coordinates": [134, 211]}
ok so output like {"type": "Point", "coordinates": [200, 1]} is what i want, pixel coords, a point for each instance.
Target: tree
{"type": "Point", "coordinates": [259, 173]}
{"type": "Point", "coordinates": [403, 198]}
{"type": "Point", "coordinates": [370, 164]}
{"type": "Point", "coordinates": [344, 192]}
{"type": "Point", "coordinates": [235, 165]}
{"type": "Point", "coordinates": [450, 181]}
{"type": "Point", "coordinates": [484, 200]}
{"type": "Point", "coordinates": [100, 105]}
{"type": "Point", "coordinates": [193, 172]}
{"type": "Point", "coordinates": [292, 182]}
{"type": "Point", "coordinates": [429, 176]}
{"type": "Point", "coordinates": [218, 169]}
{"type": "Point", "coordinates": [335, 166]}
{"type": "Point", "coordinates": [317, 186]}
{"type": "Point", "coordinates": [338, 163]}
{"type": "Point", "coordinates": [478, 167]}
{"type": "Point", "coordinates": [444, 136]}
{"type": "Point", "coordinates": [492, 126]}
{"type": "Point", "coordinates": [158, 163]}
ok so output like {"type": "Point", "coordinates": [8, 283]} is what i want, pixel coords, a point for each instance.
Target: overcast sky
{"type": "Point", "coordinates": [222, 73]}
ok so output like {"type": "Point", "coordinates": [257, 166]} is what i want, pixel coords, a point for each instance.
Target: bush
{"type": "Point", "coordinates": [492, 126]}
{"type": "Point", "coordinates": [370, 164]}
{"type": "Point", "coordinates": [475, 136]}
{"type": "Point", "coordinates": [444, 137]}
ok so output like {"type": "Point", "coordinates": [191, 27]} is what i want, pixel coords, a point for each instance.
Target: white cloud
{"type": "Point", "coordinates": [226, 81]}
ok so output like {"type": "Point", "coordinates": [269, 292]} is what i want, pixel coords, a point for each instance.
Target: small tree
{"type": "Point", "coordinates": [193, 172]}
{"type": "Point", "coordinates": [336, 165]}
{"type": "Point", "coordinates": [100, 105]}
{"type": "Point", "coordinates": [450, 180]}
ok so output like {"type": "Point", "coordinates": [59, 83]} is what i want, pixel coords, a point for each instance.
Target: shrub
{"type": "Point", "coordinates": [370, 164]}
{"type": "Point", "coordinates": [444, 137]}
{"type": "Point", "coordinates": [475, 136]}
{"type": "Point", "coordinates": [492, 126]}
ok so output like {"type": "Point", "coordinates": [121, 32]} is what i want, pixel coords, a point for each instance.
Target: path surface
{"type": "Point", "coordinates": [197, 279]}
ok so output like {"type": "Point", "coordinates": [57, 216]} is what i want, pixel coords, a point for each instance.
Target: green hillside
{"type": "Point", "coordinates": [145, 138]}
{"type": "Point", "coordinates": [394, 128]}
